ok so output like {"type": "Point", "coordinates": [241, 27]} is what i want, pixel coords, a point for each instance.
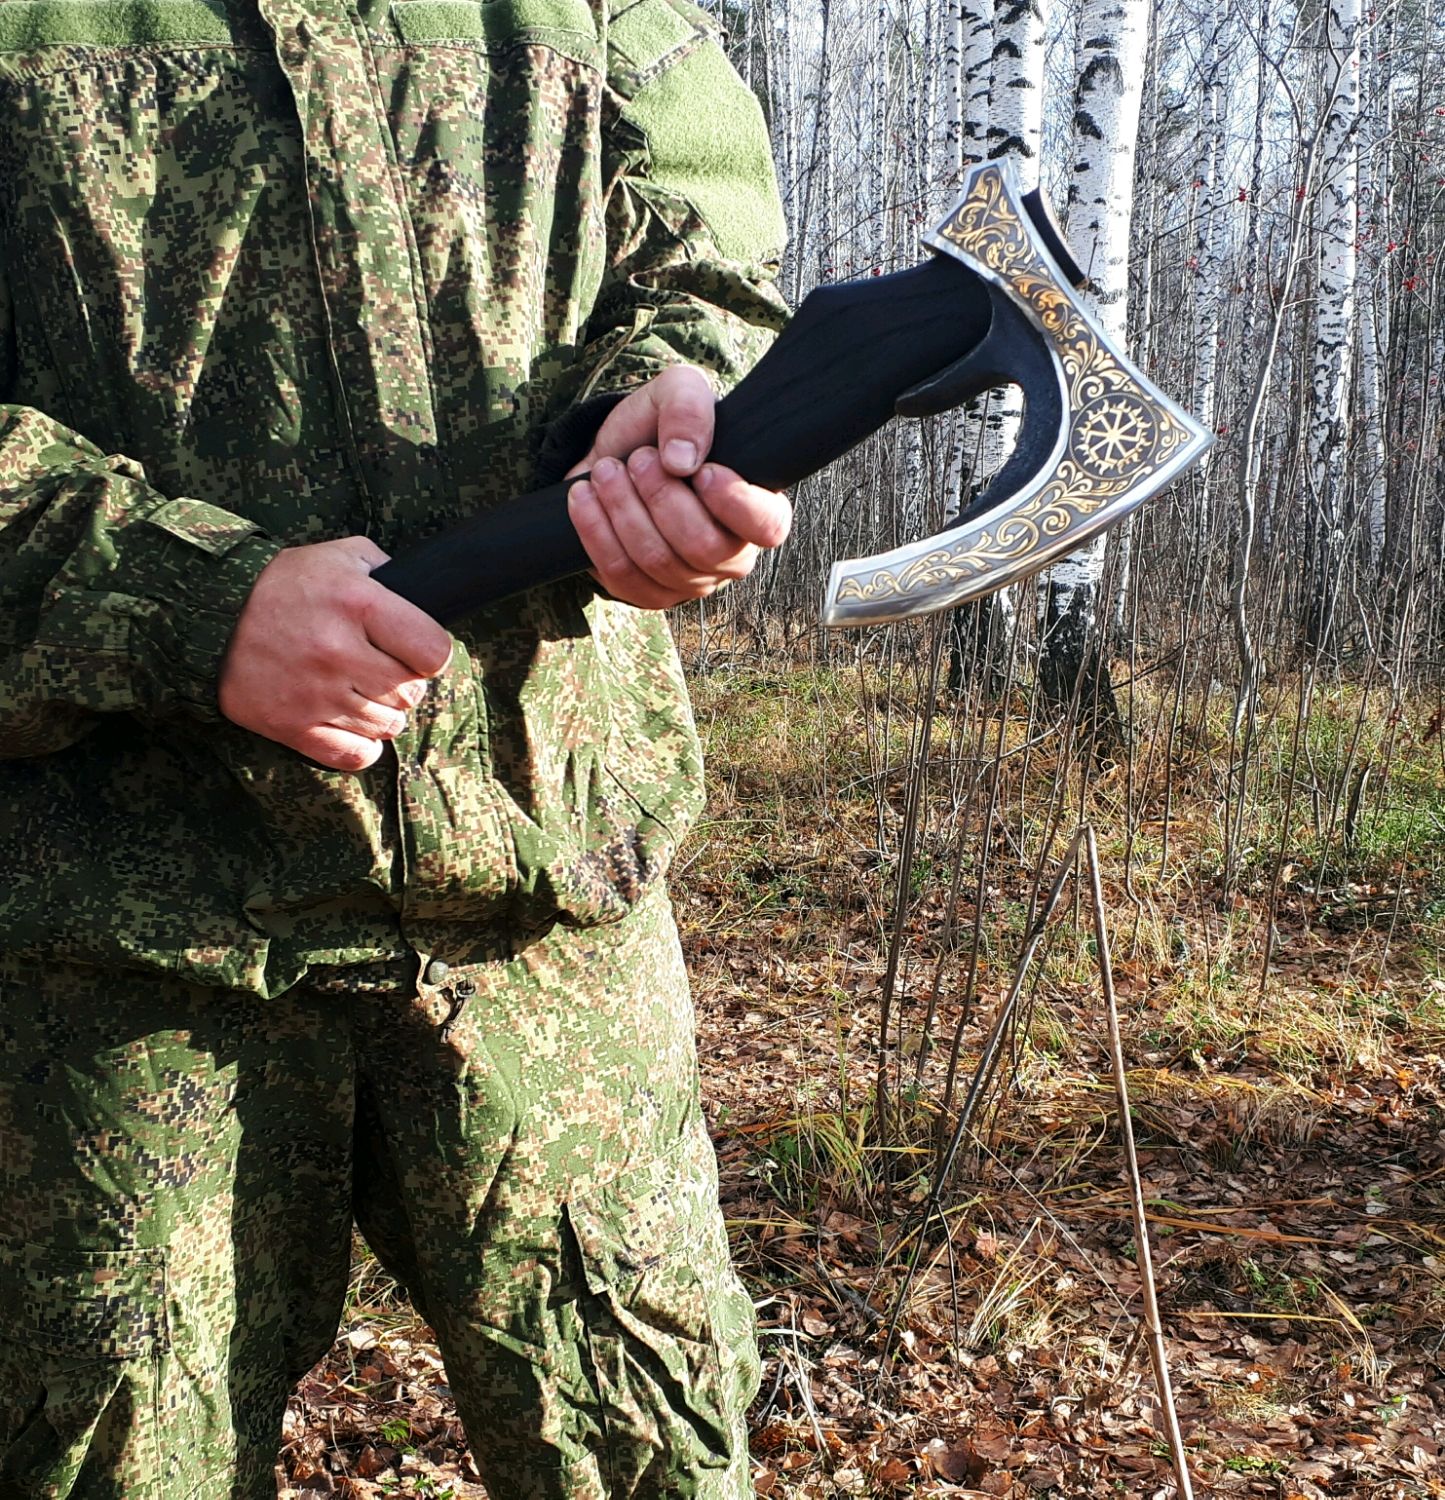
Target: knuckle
{"type": "Point", "coordinates": [273, 724]}
{"type": "Point", "coordinates": [664, 496]}
{"type": "Point", "coordinates": [658, 562]}
{"type": "Point", "coordinates": [709, 553]}
{"type": "Point", "coordinates": [356, 757]}
{"type": "Point", "coordinates": [326, 657]}
{"type": "Point", "coordinates": [686, 377]}
{"type": "Point", "coordinates": [436, 657]}
{"type": "Point", "coordinates": [364, 550]}
{"type": "Point", "coordinates": [609, 479]}
{"type": "Point", "coordinates": [635, 588]}
{"type": "Point", "coordinates": [385, 724]}
{"type": "Point", "coordinates": [358, 595]}
{"type": "Point", "coordinates": [620, 579]}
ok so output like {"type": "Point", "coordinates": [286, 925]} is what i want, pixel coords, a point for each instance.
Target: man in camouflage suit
{"type": "Point", "coordinates": [312, 913]}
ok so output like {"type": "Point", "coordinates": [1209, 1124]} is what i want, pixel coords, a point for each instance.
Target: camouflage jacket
{"type": "Point", "coordinates": [276, 271]}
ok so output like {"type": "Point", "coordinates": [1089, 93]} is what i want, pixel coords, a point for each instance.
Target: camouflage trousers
{"type": "Point", "coordinates": [520, 1143]}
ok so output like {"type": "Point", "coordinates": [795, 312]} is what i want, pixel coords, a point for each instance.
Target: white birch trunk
{"type": "Point", "coordinates": [975, 21]}
{"type": "Point", "coordinates": [1114, 37]}
{"type": "Point", "coordinates": [953, 104]}
{"type": "Point", "coordinates": [1016, 113]}
{"type": "Point", "coordinates": [1015, 131]}
{"type": "Point", "coordinates": [976, 17]}
{"type": "Point", "coordinates": [1204, 263]}
{"type": "Point", "coordinates": [920, 133]}
{"type": "Point", "coordinates": [1335, 309]}
{"type": "Point", "coordinates": [1114, 46]}
{"type": "Point", "coordinates": [1374, 199]}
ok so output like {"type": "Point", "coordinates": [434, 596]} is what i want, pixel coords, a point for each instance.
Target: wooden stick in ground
{"type": "Point", "coordinates": [1152, 1324]}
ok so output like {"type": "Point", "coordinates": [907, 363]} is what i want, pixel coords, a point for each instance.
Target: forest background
{"type": "Point", "coordinates": [970, 1279]}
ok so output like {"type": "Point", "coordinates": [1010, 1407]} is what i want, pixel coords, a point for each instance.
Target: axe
{"type": "Point", "coordinates": [994, 306]}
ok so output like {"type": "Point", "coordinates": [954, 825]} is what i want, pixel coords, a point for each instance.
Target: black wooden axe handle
{"type": "Point", "coordinates": [834, 376]}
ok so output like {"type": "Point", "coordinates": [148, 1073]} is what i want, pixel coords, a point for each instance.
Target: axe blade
{"type": "Point", "coordinates": [1116, 440]}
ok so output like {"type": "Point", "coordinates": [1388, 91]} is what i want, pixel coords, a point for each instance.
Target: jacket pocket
{"type": "Point", "coordinates": [647, 37]}
{"type": "Point", "coordinates": [83, 1304]}
{"type": "Point", "coordinates": [591, 751]}
{"type": "Point", "coordinates": [670, 1329]}
{"type": "Point", "coordinates": [654, 758]}
{"type": "Point", "coordinates": [700, 143]}
{"type": "Point", "coordinates": [79, 1333]}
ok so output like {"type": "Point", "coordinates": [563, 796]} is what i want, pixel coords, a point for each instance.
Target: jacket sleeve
{"type": "Point", "coordinates": [114, 598]}
{"type": "Point", "coordinates": [694, 225]}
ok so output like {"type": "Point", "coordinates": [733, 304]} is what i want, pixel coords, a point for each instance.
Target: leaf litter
{"type": "Point", "coordinates": [1291, 1155]}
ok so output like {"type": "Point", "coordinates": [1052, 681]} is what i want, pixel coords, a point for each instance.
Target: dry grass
{"type": "Point", "coordinates": [1242, 1070]}
{"type": "Point", "coordinates": [1284, 1025]}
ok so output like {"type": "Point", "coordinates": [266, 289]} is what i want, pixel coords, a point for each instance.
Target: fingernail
{"type": "Point", "coordinates": [681, 455]}
{"type": "Point", "coordinates": [606, 470]}
{"type": "Point", "coordinates": [706, 475]}
{"type": "Point", "coordinates": [643, 461]}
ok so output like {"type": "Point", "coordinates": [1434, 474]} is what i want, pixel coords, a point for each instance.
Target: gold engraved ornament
{"type": "Point", "coordinates": [1121, 438]}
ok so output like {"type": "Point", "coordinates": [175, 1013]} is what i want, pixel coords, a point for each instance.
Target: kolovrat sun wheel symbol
{"type": "Point", "coordinates": [1114, 434]}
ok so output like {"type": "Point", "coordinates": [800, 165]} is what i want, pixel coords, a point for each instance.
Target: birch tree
{"type": "Point", "coordinates": [1011, 116]}
{"type": "Point", "coordinates": [1334, 312]}
{"type": "Point", "coordinates": [1114, 45]}
{"type": "Point", "coordinates": [1287, 246]}
{"type": "Point", "coordinates": [1014, 132]}
{"type": "Point", "coordinates": [1206, 191]}
{"type": "Point", "coordinates": [971, 625]}
{"type": "Point", "coordinates": [1373, 237]}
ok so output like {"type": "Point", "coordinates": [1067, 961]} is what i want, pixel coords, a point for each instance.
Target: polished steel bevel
{"type": "Point", "coordinates": [1121, 441]}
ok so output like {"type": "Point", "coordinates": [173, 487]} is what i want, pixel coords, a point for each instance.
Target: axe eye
{"type": "Point", "coordinates": [1012, 352]}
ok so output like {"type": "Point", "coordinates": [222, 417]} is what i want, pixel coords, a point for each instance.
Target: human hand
{"type": "Point", "coordinates": [326, 660]}
{"type": "Point", "coordinates": [660, 525]}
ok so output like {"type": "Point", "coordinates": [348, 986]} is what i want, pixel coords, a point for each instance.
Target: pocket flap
{"type": "Point", "coordinates": [96, 1304]}
{"type": "Point", "coordinates": [494, 25]}
{"type": "Point", "coordinates": [655, 1213]}
{"type": "Point", "coordinates": [205, 526]}
{"type": "Point", "coordinates": [27, 25]}
{"type": "Point", "coordinates": [646, 37]}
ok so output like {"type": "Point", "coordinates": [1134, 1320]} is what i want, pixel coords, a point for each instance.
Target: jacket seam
{"type": "Point", "coordinates": [420, 305]}
{"type": "Point", "coordinates": [35, 72]}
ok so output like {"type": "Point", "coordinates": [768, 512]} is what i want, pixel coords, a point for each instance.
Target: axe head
{"type": "Point", "coordinates": [1097, 438]}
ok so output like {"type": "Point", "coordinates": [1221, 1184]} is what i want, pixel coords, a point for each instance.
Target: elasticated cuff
{"type": "Point", "coordinates": [205, 620]}
{"type": "Point", "coordinates": [191, 567]}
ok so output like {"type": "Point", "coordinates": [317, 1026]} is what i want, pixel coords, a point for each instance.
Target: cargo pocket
{"type": "Point", "coordinates": [79, 1333]}
{"type": "Point", "coordinates": [669, 1329]}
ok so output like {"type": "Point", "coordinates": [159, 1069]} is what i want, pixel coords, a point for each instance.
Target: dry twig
{"type": "Point", "coordinates": [1152, 1322]}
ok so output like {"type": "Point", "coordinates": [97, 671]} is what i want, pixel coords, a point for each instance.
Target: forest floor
{"type": "Point", "coordinates": [1287, 1093]}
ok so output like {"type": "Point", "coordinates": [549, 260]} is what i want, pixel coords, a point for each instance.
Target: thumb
{"type": "Point", "coordinates": [630, 425]}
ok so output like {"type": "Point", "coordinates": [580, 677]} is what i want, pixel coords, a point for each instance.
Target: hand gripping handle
{"type": "Point", "coordinates": [913, 343]}
{"type": "Point", "coordinates": [830, 380]}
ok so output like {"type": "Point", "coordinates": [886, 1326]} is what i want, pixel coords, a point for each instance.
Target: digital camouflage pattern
{"type": "Point", "coordinates": [277, 271]}
{"type": "Point", "coordinates": [271, 272]}
{"type": "Point", "coordinates": [179, 1186]}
